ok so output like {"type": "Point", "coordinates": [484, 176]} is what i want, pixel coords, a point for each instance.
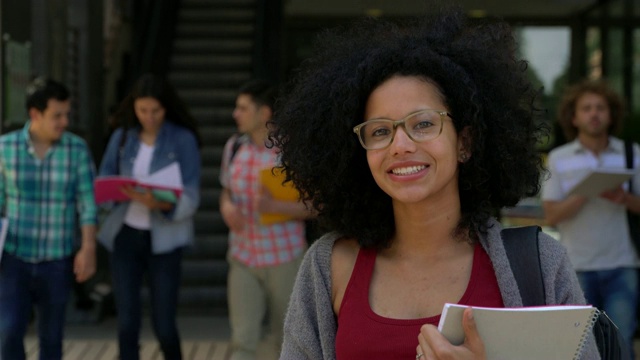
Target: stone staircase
{"type": "Point", "coordinates": [212, 57]}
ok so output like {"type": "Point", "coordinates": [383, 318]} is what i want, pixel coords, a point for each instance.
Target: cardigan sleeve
{"type": "Point", "coordinates": [310, 324]}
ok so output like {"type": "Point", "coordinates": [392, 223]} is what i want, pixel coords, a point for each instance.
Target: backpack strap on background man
{"type": "Point", "coordinates": [628, 152]}
{"type": "Point", "coordinates": [632, 219]}
{"type": "Point", "coordinates": [521, 246]}
{"type": "Point", "coordinates": [237, 142]}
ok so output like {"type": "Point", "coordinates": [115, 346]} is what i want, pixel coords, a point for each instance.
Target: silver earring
{"type": "Point", "coordinates": [463, 157]}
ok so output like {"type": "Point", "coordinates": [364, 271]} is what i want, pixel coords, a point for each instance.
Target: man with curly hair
{"type": "Point", "coordinates": [594, 229]}
{"type": "Point", "coordinates": [263, 258]}
{"type": "Point", "coordinates": [407, 138]}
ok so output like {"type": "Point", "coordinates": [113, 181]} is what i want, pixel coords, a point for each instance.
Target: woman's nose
{"type": "Point", "coordinates": [401, 142]}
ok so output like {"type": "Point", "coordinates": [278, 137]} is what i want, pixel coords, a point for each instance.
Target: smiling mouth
{"type": "Point", "coordinates": [408, 170]}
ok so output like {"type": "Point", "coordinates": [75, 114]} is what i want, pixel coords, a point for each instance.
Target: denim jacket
{"type": "Point", "coordinates": [169, 230]}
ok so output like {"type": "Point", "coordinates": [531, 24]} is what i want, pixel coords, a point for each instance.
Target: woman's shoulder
{"type": "Point", "coordinates": [331, 243]}
{"type": "Point", "coordinates": [331, 248]}
{"type": "Point", "coordinates": [345, 251]}
{"type": "Point", "coordinates": [343, 261]}
{"type": "Point", "coordinates": [331, 258]}
{"type": "Point", "coordinates": [551, 250]}
{"type": "Point", "coordinates": [173, 133]}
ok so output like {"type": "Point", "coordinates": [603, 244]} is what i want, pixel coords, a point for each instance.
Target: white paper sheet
{"type": "Point", "coordinates": [3, 233]}
{"type": "Point", "coordinates": [169, 176]}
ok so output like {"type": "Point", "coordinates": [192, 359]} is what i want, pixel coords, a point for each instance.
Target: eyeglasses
{"type": "Point", "coordinates": [420, 126]}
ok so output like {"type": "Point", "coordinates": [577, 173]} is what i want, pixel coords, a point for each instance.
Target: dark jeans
{"type": "Point", "coordinates": [616, 292]}
{"type": "Point", "coordinates": [130, 260]}
{"type": "Point", "coordinates": [45, 284]}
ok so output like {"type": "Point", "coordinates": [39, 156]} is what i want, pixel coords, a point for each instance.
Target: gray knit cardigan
{"type": "Point", "coordinates": [310, 324]}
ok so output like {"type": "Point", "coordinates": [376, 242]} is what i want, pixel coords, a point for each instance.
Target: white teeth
{"type": "Point", "coordinates": [407, 170]}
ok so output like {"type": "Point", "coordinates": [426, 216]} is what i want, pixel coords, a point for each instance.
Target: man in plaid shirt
{"type": "Point", "coordinates": [263, 258]}
{"type": "Point", "coordinates": [46, 188]}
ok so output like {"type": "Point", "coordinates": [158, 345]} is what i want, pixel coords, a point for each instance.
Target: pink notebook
{"type": "Point", "coordinates": [107, 188]}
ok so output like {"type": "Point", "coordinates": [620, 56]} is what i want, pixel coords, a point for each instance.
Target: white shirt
{"type": "Point", "coordinates": [138, 215]}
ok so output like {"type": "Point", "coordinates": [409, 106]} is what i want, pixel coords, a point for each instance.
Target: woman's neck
{"type": "Point", "coordinates": [149, 137]}
{"type": "Point", "coordinates": [426, 229]}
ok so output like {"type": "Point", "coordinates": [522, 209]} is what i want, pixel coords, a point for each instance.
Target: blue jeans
{"type": "Point", "coordinates": [616, 292]}
{"type": "Point", "coordinates": [47, 285]}
{"type": "Point", "coordinates": [130, 260]}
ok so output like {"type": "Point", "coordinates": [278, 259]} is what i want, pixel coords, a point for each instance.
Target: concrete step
{"type": "Point", "coordinates": [209, 246]}
{"type": "Point", "coordinates": [229, 31]}
{"type": "Point", "coordinates": [204, 95]}
{"type": "Point", "coordinates": [210, 78]}
{"type": "Point", "coordinates": [194, 14]}
{"type": "Point", "coordinates": [211, 155]}
{"type": "Point", "coordinates": [219, 3]}
{"type": "Point", "coordinates": [210, 200]}
{"type": "Point", "coordinates": [215, 120]}
{"type": "Point", "coordinates": [209, 222]}
{"type": "Point", "coordinates": [219, 62]}
{"type": "Point", "coordinates": [206, 46]}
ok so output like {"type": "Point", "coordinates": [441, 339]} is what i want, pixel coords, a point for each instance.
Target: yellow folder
{"type": "Point", "coordinates": [271, 179]}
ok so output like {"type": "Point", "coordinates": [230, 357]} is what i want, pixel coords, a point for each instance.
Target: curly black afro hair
{"type": "Point", "coordinates": [484, 85]}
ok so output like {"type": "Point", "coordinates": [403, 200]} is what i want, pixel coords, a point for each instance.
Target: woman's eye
{"type": "Point", "coordinates": [424, 124]}
{"type": "Point", "coordinates": [380, 132]}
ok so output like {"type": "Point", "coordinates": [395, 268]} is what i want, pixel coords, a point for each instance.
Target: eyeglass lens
{"type": "Point", "coordinates": [421, 126]}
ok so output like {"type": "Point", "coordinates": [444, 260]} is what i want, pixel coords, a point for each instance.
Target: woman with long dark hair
{"type": "Point", "coordinates": [146, 233]}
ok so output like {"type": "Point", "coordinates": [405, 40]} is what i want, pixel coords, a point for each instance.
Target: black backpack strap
{"type": "Point", "coordinates": [628, 151]}
{"type": "Point", "coordinates": [521, 246]}
{"type": "Point", "coordinates": [236, 146]}
{"type": "Point", "coordinates": [632, 219]}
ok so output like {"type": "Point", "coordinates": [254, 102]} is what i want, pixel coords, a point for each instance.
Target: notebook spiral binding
{"type": "Point", "coordinates": [586, 332]}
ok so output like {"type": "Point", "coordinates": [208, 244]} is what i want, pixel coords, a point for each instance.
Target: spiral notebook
{"type": "Point", "coordinates": [528, 333]}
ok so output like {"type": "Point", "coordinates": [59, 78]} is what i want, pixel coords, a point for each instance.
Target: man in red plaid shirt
{"type": "Point", "coordinates": [263, 258]}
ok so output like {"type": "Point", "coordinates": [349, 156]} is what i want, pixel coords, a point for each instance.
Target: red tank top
{"type": "Point", "coordinates": [362, 334]}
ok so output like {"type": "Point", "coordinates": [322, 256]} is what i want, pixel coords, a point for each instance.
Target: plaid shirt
{"type": "Point", "coordinates": [257, 245]}
{"type": "Point", "coordinates": [42, 198]}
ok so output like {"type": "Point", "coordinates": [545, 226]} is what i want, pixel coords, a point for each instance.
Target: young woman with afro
{"type": "Point", "coordinates": [407, 139]}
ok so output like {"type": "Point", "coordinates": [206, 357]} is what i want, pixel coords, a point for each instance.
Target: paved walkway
{"type": "Point", "coordinates": [108, 350]}
{"type": "Point", "coordinates": [204, 338]}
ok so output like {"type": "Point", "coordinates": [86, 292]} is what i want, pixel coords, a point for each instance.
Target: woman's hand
{"type": "Point", "coordinates": [434, 346]}
{"type": "Point", "coordinates": [145, 196]}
